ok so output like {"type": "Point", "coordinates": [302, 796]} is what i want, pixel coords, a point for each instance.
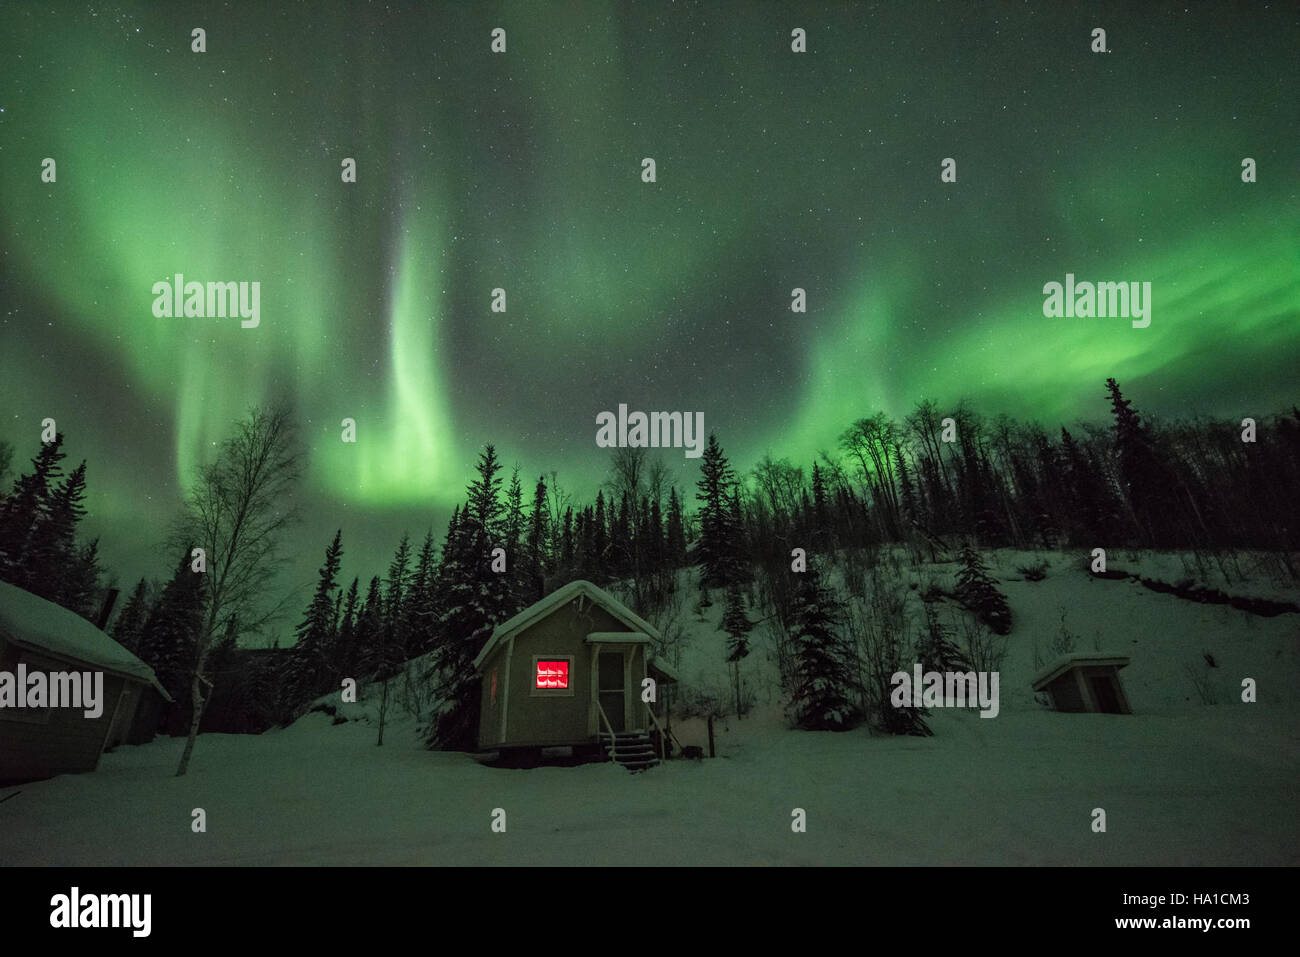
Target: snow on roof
{"type": "Point", "coordinates": [1064, 663]}
{"type": "Point", "coordinates": [42, 625]}
{"type": "Point", "coordinates": [557, 599]}
{"type": "Point", "coordinates": [622, 637]}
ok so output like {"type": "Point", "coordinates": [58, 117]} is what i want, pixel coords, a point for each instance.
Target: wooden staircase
{"type": "Point", "coordinates": [632, 749]}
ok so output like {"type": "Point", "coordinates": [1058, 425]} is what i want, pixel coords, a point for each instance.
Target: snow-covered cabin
{"type": "Point", "coordinates": [1083, 682]}
{"type": "Point", "coordinates": [568, 671]}
{"type": "Point", "coordinates": [40, 742]}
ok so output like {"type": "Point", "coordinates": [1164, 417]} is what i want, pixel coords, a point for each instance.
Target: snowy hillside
{"type": "Point", "coordinates": [1193, 777]}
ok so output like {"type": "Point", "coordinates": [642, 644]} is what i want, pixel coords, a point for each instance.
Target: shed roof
{"type": "Point", "coordinates": [41, 625]}
{"type": "Point", "coordinates": [1079, 660]}
{"type": "Point", "coordinates": [558, 599]}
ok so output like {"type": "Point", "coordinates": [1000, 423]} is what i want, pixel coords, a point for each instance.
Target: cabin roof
{"type": "Point", "coordinates": [40, 625]}
{"type": "Point", "coordinates": [557, 600]}
{"type": "Point", "coordinates": [1079, 660]}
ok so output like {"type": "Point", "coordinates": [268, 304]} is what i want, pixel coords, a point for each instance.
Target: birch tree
{"type": "Point", "coordinates": [237, 512]}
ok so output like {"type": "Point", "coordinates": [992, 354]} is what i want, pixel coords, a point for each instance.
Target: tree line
{"type": "Point", "coordinates": [936, 482]}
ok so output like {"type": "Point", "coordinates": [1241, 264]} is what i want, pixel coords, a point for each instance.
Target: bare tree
{"type": "Point", "coordinates": [657, 480]}
{"type": "Point", "coordinates": [557, 500]}
{"type": "Point", "coordinates": [236, 512]}
{"type": "Point", "coordinates": [781, 482]}
{"type": "Point", "coordinates": [627, 474]}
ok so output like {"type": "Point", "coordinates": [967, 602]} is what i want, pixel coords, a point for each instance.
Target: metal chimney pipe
{"type": "Point", "coordinates": [110, 599]}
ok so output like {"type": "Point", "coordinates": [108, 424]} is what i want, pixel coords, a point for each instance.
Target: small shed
{"type": "Point", "coordinates": [569, 671]}
{"type": "Point", "coordinates": [44, 637]}
{"type": "Point", "coordinates": [1082, 682]}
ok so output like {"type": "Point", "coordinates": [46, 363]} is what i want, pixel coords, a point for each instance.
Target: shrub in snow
{"type": "Point", "coordinates": [935, 650]}
{"type": "Point", "coordinates": [1033, 573]}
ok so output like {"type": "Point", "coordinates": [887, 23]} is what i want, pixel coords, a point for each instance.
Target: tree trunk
{"type": "Point", "coordinates": [198, 702]}
{"type": "Point", "coordinates": [711, 751]}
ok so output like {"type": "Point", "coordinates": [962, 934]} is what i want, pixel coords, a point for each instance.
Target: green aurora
{"type": "Point", "coordinates": [522, 171]}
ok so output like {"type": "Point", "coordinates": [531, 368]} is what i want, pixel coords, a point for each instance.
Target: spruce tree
{"type": "Point", "coordinates": [736, 571]}
{"type": "Point", "coordinates": [1091, 518]}
{"type": "Point", "coordinates": [129, 623]}
{"type": "Point", "coordinates": [535, 566]}
{"type": "Point", "coordinates": [53, 552]}
{"type": "Point", "coordinates": [23, 511]}
{"type": "Point", "coordinates": [588, 557]}
{"type": "Point", "coordinates": [978, 591]}
{"type": "Point", "coordinates": [453, 529]}
{"type": "Point", "coordinates": [822, 693]}
{"type": "Point", "coordinates": [513, 524]}
{"type": "Point", "coordinates": [1145, 480]}
{"type": "Point", "coordinates": [935, 651]}
{"type": "Point", "coordinates": [599, 530]}
{"type": "Point", "coordinates": [168, 641]}
{"type": "Point", "coordinates": [651, 537]}
{"type": "Point", "coordinates": [675, 533]}
{"type": "Point", "coordinates": [81, 590]}
{"type": "Point", "coordinates": [568, 544]}
{"type": "Point", "coordinates": [1042, 501]}
{"type": "Point", "coordinates": [477, 599]}
{"type": "Point", "coordinates": [391, 651]}
{"type": "Point", "coordinates": [388, 651]}
{"type": "Point", "coordinates": [736, 625]}
{"type": "Point", "coordinates": [345, 655]}
{"type": "Point", "coordinates": [907, 494]}
{"type": "Point", "coordinates": [821, 517]}
{"type": "Point", "coordinates": [421, 611]}
{"type": "Point", "coordinates": [369, 630]}
{"type": "Point", "coordinates": [717, 548]}
{"type": "Point", "coordinates": [620, 539]}
{"type": "Point", "coordinates": [308, 667]}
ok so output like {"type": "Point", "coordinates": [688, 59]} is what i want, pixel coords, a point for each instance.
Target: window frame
{"type": "Point", "coordinates": [536, 692]}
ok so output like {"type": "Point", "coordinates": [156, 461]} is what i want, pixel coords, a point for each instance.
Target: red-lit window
{"type": "Point", "coordinates": [552, 674]}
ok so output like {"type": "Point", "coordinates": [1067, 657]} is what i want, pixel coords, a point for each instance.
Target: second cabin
{"type": "Point", "coordinates": [569, 670]}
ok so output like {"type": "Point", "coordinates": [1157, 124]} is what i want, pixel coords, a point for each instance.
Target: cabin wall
{"type": "Point", "coordinates": [540, 720]}
{"type": "Point", "coordinates": [148, 716]}
{"type": "Point", "coordinates": [59, 740]}
{"type": "Point", "coordinates": [490, 702]}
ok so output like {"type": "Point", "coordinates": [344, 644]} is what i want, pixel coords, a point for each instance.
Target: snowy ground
{"type": "Point", "coordinates": [1182, 782]}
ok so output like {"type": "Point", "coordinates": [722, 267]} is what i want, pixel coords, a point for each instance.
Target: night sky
{"type": "Point", "coordinates": [522, 170]}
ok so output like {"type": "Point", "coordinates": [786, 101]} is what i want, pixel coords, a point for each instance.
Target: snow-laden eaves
{"type": "Point", "coordinates": [558, 599]}
{"type": "Point", "coordinates": [617, 637]}
{"type": "Point", "coordinates": [40, 625]}
{"type": "Point", "coordinates": [1062, 664]}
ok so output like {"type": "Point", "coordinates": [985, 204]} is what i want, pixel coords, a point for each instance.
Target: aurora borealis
{"type": "Point", "coordinates": [522, 170]}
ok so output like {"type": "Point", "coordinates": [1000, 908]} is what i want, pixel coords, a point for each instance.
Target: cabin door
{"type": "Point", "coordinates": [609, 671]}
